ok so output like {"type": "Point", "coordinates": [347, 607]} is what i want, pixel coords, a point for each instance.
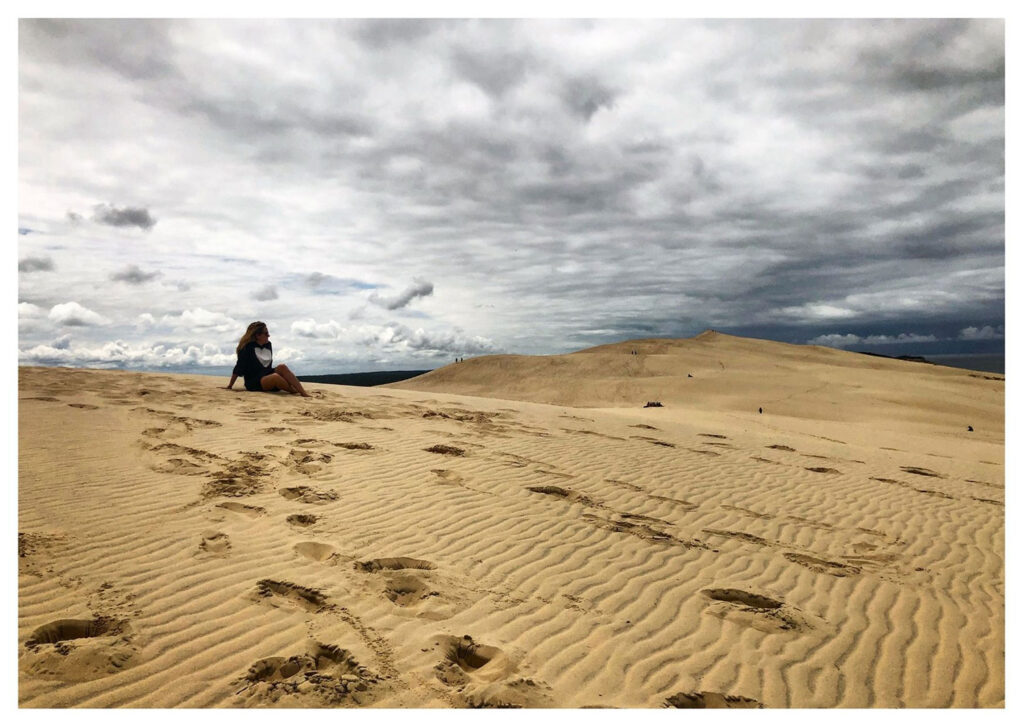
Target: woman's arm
{"type": "Point", "coordinates": [240, 368]}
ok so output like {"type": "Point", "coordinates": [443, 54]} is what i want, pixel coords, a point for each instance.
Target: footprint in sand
{"type": "Point", "coordinates": [829, 567]}
{"type": "Point", "coordinates": [29, 544]}
{"type": "Point", "coordinates": [244, 476]}
{"type": "Point", "coordinates": [251, 511]}
{"type": "Point", "coordinates": [710, 700]}
{"type": "Point", "coordinates": [401, 563]}
{"type": "Point", "coordinates": [513, 694]}
{"type": "Point", "coordinates": [935, 493]}
{"type": "Point", "coordinates": [631, 517]}
{"type": "Point", "coordinates": [738, 535]}
{"type": "Point", "coordinates": [278, 593]}
{"type": "Point", "coordinates": [301, 520]}
{"type": "Point", "coordinates": [213, 544]}
{"type": "Point", "coordinates": [180, 466]}
{"type": "Point", "coordinates": [563, 494]}
{"type": "Point", "coordinates": [763, 613]}
{"type": "Point", "coordinates": [642, 531]}
{"type": "Point", "coordinates": [417, 587]}
{"type": "Point", "coordinates": [304, 461]}
{"type": "Point", "coordinates": [308, 495]}
{"type": "Point", "coordinates": [319, 552]}
{"type": "Point", "coordinates": [278, 430]}
{"type": "Point", "coordinates": [408, 590]}
{"type": "Point", "coordinates": [325, 675]}
{"type": "Point", "coordinates": [748, 513]}
{"type": "Point", "coordinates": [79, 650]}
{"type": "Point", "coordinates": [862, 547]}
{"type": "Point", "coordinates": [464, 661]}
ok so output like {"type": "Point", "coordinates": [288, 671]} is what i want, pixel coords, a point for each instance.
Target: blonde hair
{"type": "Point", "coordinates": [250, 333]}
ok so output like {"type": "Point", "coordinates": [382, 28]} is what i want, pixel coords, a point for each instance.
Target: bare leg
{"type": "Point", "coordinates": [293, 382]}
{"type": "Point", "coordinates": [272, 382]}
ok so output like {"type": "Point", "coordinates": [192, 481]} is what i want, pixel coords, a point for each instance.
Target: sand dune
{"type": "Point", "coordinates": [185, 546]}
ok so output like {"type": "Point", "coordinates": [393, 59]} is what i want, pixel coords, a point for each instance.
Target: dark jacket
{"type": "Point", "coordinates": [250, 368]}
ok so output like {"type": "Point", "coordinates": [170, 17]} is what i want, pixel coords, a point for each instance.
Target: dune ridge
{"type": "Point", "coordinates": [392, 547]}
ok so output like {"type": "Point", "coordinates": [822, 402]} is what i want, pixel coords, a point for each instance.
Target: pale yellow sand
{"type": "Point", "coordinates": [182, 545]}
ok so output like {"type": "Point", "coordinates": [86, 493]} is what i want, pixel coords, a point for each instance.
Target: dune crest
{"type": "Point", "coordinates": [718, 372]}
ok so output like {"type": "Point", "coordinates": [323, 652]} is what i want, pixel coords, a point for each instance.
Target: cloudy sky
{"type": "Point", "coordinates": [393, 194]}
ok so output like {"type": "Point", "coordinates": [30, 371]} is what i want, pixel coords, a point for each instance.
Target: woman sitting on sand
{"type": "Point", "coordinates": [255, 364]}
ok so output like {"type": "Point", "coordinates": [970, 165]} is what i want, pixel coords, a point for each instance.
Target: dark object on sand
{"type": "Point", "coordinates": [689, 376]}
{"type": "Point", "coordinates": [445, 449]}
{"type": "Point", "coordinates": [652, 403]}
{"type": "Point", "coordinates": [759, 410]}
{"type": "Point", "coordinates": [711, 700]}
{"type": "Point", "coordinates": [915, 359]}
{"type": "Point", "coordinates": [970, 428]}
{"type": "Point", "coordinates": [372, 378]}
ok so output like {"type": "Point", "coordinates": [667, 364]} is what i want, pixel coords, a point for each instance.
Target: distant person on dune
{"type": "Point", "coordinates": [256, 364]}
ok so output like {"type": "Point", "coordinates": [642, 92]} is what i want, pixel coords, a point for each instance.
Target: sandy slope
{"type": "Point", "coordinates": [182, 545]}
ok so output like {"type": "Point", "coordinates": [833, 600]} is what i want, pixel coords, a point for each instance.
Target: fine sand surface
{"type": "Point", "coordinates": [520, 531]}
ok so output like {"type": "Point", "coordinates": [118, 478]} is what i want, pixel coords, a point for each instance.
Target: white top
{"type": "Point", "coordinates": [264, 355]}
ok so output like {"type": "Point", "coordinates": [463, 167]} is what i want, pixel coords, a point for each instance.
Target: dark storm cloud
{"type": "Point", "coordinates": [383, 33]}
{"type": "Point", "coordinates": [419, 289]}
{"type": "Point", "coordinates": [136, 49]}
{"type": "Point", "coordinates": [267, 293]}
{"type": "Point", "coordinates": [253, 119]}
{"type": "Point", "coordinates": [134, 275]}
{"type": "Point", "coordinates": [585, 96]}
{"type": "Point", "coordinates": [34, 264]}
{"type": "Point", "coordinates": [322, 283]}
{"type": "Point", "coordinates": [494, 72]}
{"type": "Point", "coordinates": [124, 217]}
{"type": "Point", "coordinates": [923, 61]}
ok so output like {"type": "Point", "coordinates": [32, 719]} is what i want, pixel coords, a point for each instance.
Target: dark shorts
{"type": "Point", "coordinates": [252, 383]}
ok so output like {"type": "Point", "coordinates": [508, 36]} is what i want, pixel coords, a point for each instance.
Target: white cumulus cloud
{"type": "Point", "coordinates": [204, 320]}
{"type": "Point", "coordinates": [309, 328]}
{"type": "Point", "coordinates": [814, 312]}
{"type": "Point", "coordinates": [901, 338]}
{"type": "Point", "coordinates": [985, 333]}
{"type": "Point", "coordinates": [835, 340]}
{"type": "Point", "coordinates": [845, 340]}
{"type": "Point", "coordinates": [122, 354]}
{"type": "Point", "coordinates": [30, 311]}
{"type": "Point", "coordinates": [74, 314]}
